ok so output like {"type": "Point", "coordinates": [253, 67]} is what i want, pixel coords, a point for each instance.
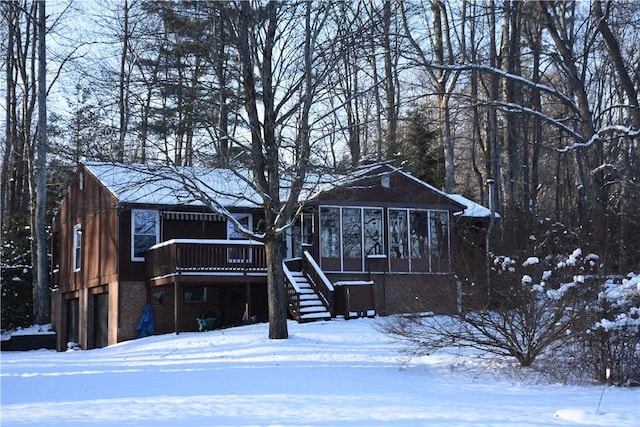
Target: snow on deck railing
{"type": "Point", "coordinates": [207, 242]}
{"type": "Point", "coordinates": [290, 278]}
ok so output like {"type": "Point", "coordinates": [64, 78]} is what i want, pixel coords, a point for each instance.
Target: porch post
{"type": "Point", "coordinates": [176, 305]}
{"type": "Point", "coordinates": [247, 307]}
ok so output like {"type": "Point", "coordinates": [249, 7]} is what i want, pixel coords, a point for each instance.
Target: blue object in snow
{"type": "Point", "coordinates": [145, 325]}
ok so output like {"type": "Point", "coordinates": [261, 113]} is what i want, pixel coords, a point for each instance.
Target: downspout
{"type": "Point", "coordinates": [490, 184]}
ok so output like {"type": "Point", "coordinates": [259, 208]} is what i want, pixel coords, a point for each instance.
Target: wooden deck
{"type": "Point", "coordinates": [214, 260]}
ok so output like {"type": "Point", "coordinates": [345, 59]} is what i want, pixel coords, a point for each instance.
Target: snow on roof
{"type": "Point", "coordinates": [149, 184]}
{"type": "Point", "coordinates": [473, 209]}
{"type": "Point", "coordinates": [170, 185]}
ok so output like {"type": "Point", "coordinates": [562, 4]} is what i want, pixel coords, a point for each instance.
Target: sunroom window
{"type": "Point", "coordinates": [398, 234]}
{"type": "Point", "coordinates": [330, 232]}
{"type": "Point", "coordinates": [348, 235]}
{"type": "Point", "coordinates": [352, 232]}
{"type": "Point", "coordinates": [422, 237]}
{"type": "Point", "coordinates": [373, 232]}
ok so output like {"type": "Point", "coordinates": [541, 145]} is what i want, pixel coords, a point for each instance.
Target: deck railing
{"type": "Point", "coordinates": [205, 256]}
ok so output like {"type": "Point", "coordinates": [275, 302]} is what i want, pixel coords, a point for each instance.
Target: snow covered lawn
{"type": "Point", "coordinates": [333, 373]}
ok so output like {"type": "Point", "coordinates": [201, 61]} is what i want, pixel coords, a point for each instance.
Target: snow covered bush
{"type": "Point", "coordinates": [552, 312]}
{"type": "Point", "coordinates": [611, 338]}
{"type": "Point", "coordinates": [531, 311]}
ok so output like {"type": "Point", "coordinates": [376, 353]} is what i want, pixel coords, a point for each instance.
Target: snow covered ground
{"type": "Point", "coordinates": [333, 373]}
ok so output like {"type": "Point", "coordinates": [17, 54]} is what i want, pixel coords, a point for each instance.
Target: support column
{"type": "Point", "coordinates": [247, 306]}
{"type": "Point", "coordinates": [176, 306]}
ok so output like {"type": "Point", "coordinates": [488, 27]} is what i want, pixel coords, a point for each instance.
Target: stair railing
{"type": "Point", "coordinates": [293, 292]}
{"type": "Point", "coordinates": [318, 280]}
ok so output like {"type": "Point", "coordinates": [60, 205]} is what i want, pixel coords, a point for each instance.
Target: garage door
{"type": "Point", "coordinates": [101, 326]}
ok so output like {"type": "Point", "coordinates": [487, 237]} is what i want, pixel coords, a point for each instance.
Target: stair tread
{"type": "Point", "coordinates": [310, 306]}
{"type": "Point", "coordinates": [319, 315]}
{"type": "Point", "coordinates": [313, 309]}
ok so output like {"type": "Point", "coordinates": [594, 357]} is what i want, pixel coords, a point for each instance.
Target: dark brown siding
{"type": "Point", "coordinates": [402, 192]}
{"type": "Point", "coordinates": [95, 209]}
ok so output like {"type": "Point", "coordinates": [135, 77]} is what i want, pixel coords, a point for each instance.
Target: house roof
{"type": "Point", "coordinates": [171, 185]}
{"type": "Point", "coordinates": [473, 209]}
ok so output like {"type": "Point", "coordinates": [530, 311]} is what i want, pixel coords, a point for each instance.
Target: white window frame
{"type": "Point", "coordinates": [234, 234]}
{"type": "Point", "coordinates": [77, 247]}
{"type": "Point", "coordinates": [341, 250]}
{"type": "Point", "coordinates": [133, 230]}
{"type": "Point", "coordinates": [410, 256]}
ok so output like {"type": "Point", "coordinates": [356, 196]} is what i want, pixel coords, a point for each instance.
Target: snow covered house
{"type": "Point", "coordinates": [376, 241]}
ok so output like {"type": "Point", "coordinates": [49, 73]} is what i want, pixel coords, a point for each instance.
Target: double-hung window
{"type": "Point", "coordinates": [145, 232]}
{"type": "Point", "coordinates": [240, 253]}
{"type": "Point", "coordinates": [77, 247]}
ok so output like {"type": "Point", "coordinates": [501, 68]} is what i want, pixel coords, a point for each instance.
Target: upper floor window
{"type": "Point", "coordinates": [77, 247]}
{"type": "Point", "coordinates": [234, 232]}
{"type": "Point", "coordinates": [145, 232]}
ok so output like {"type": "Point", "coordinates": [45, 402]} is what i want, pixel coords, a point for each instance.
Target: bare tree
{"type": "Point", "coordinates": [442, 79]}
{"type": "Point", "coordinates": [41, 297]}
{"type": "Point", "coordinates": [26, 146]}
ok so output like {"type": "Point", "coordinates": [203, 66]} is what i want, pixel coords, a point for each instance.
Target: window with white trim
{"type": "Point", "coordinates": [422, 237]}
{"type": "Point", "coordinates": [351, 233]}
{"type": "Point", "coordinates": [77, 247]}
{"type": "Point", "coordinates": [234, 232]}
{"type": "Point", "coordinates": [145, 232]}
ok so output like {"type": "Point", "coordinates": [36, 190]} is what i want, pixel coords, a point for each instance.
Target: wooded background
{"type": "Point", "coordinates": [539, 96]}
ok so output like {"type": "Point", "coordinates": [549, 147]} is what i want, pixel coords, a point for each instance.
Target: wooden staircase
{"type": "Point", "coordinates": [309, 292]}
{"type": "Point", "coordinates": [311, 296]}
{"type": "Point", "coordinates": [311, 306]}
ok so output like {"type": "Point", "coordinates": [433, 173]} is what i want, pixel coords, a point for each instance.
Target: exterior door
{"type": "Point", "coordinates": [101, 318]}
{"type": "Point", "coordinates": [73, 320]}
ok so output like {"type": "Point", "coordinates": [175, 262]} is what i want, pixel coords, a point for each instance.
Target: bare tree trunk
{"type": "Point", "coordinates": [531, 161]}
{"type": "Point", "coordinates": [445, 81]}
{"type": "Point", "coordinates": [510, 51]}
{"type": "Point", "coordinates": [616, 56]}
{"type": "Point", "coordinates": [123, 101]}
{"type": "Point", "coordinates": [630, 151]}
{"type": "Point", "coordinates": [493, 143]}
{"type": "Point", "coordinates": [392, 119]}
{"type": "Point", "coordinates": [220, 65]}
{"type": "Point", "coordinates": [264, 157]}
{"type": "Point", "coordinates": [41, 301]}
{"type": "Point", "coordinates": [9, 124]}
{"type": "Point", "coordinates": [591, 194]}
